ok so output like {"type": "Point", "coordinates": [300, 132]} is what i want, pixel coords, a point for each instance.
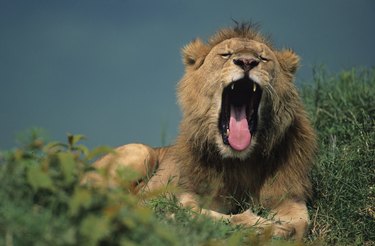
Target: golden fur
{"type": "Point", "coordinates": [216, 179]}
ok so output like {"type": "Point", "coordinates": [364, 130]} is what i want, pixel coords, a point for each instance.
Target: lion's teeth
{"type": "Point", "coordinates": [228, 132]}
{"type": "Point", "coordinates": [254, 87]}
{"type": "Point", "coordinates": [232, 87]}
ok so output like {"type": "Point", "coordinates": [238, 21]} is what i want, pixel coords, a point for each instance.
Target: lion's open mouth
{"type": "Point", "coordinates": [238, 117]}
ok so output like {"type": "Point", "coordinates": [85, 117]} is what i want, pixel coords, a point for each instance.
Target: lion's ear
{"type": "Point", "coordinates": [289, 61]}
{"type": "Point", "coordinates": [193, 54]}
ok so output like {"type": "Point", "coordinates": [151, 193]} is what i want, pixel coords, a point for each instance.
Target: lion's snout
{"type": "Point", "coordinates": [246, 63]}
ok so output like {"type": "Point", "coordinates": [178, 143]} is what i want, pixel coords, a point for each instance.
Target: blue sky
{"type": "Point", "coordinates": [108, 69]}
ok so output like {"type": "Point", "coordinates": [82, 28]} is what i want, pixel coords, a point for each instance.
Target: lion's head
{"type": "Point", "coordinates": [235, 92]}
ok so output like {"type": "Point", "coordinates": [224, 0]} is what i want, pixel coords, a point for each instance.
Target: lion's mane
{"type": "Point", "coordinates": [279, 162]}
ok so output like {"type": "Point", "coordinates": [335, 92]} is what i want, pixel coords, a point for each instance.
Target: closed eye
{"type": "Point", "coordinates": [226, 55]}
{"type": "Point", "coordinates": [263, 59]}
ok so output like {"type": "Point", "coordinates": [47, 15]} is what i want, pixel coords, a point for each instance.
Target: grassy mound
{"type": "Point", "coordinates": [43, 203]}
{"type": "Point", "coordinates": [343, 111]}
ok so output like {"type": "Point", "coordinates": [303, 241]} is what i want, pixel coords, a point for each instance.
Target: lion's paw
{"type": "Point", "coordinates": [263, 226]}
{"type": "Point", "coordinates": [283, 230]}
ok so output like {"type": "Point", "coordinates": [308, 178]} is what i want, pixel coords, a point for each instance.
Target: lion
{"type": "Point", "coordinates": [245, 139]}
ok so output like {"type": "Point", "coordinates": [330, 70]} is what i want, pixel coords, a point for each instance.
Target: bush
{"type": "Point", "coordinates": [43, 202]}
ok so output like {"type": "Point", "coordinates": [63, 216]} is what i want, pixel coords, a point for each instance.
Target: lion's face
{"type": "Point", "coordinates": [224, 92]}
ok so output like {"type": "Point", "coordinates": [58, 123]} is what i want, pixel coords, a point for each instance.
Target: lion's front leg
{"type": "Point", "coordinates": [190, 200]}
{"type": "Point", "coordinates": [290, 218]}
{"type": "Point", "coordinates": [292, 214]}
{"type": "Point", "coordinates": [139, 158]}
{"type": "Point", "coordinates": [247, 218]}
{"type": "Point", "coordinates": [260, 224]}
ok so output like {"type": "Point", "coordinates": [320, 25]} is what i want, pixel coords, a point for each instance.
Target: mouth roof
{"type": "Point", "coordinates": [239, 113]}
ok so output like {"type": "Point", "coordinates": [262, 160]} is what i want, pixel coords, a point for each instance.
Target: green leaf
{"type": "Point", "coordinates": [83, 149]}
{"type": "Point", "coordinates": [73, 139]}
{"type": "Point", "coordinates": [234, 239]}
{"type": "Point", "coordinates": [144, 215]}
{"type": "Point", "coordinates": [81, 198]}
{"type": "Point", "coordinates": [94, 228]}
{"type": "Point", "coordinates": [69, 236]}
{"type": "Point", "coordinates": [129, 222]}
{"type": "Point", "coordinates": [166, 234]}
{"type": "Point", "coordinates": [127, 242]}
{"type": "Point", "coordinates": [127, 174]}
{"type": "Point", "coordinates": [54, 147]}
{"type": "Point", "coordinates": [38, 178]}
{"type": "Point", "coordinates": [67, 164]}
{"type": "Point", "coordinates": [101, 150]}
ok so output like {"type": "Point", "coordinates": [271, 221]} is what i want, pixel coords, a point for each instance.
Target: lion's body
{"type": "Point", "coordinates": [222, 173]}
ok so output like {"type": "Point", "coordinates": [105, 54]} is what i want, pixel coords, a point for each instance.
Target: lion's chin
{"type": "Point", "coordinates": [227, 152]}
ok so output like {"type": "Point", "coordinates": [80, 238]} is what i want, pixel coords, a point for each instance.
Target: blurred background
{"type": "Point", "coordinates": [108, 69]}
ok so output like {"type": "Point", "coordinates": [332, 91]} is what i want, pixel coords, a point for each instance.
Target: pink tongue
{"type": "Point", "coordinates": [239, 133]}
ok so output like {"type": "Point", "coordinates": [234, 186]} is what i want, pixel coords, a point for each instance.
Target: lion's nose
{"type": "Point", "coordinates": [246, 63]}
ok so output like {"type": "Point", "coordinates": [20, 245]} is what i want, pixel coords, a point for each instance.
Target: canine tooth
{"type": "Point", "coordinates": [232, 87]}
{"type": "Point", "coordinates": [228, 132]}
{"type": "Point", "coordinates": [254, 87]}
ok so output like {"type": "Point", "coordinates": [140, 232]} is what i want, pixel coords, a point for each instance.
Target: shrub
{"type": "Point", "coordinates": [43, 202]}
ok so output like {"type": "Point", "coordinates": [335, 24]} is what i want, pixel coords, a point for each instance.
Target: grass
{"type": "Point", "coordinates": [43, 203]}
{"type": "Point", "coordinates": [343, 112]}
